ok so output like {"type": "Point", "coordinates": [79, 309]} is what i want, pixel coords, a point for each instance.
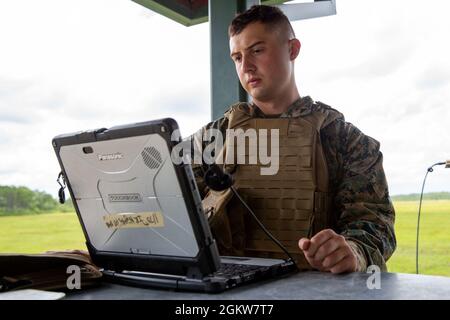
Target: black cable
{"type": "Point", "coordinates": [217, 179]}
{"type": "Point", "coordinates": [261, 225]}
{"type": "Point", "coordinates": [430, 169]}
{"type": "Point", "coordinates": [61, 194]}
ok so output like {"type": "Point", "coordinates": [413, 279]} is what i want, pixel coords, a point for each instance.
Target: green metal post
{"type": "Point", "coordinates": [225, 86]}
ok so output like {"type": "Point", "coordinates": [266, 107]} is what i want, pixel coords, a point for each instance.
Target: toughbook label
{"type": "Point", "coordinates": [151, 219]}
{"type": "Point", "coordinates": [125, 197]}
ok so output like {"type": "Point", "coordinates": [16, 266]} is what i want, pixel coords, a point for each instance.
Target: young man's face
{"type": "Point", "coordinates": [263, 60]}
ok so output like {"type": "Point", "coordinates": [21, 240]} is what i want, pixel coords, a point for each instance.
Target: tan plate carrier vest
{"type": "Point", "coordinates": [291, 204]}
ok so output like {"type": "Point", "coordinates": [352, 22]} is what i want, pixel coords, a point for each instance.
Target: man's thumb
{"type": "Point", "coordinates": [304, 243]}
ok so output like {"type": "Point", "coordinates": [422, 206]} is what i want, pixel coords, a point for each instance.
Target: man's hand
{"type": "Point", "coordinates": [329, 251]}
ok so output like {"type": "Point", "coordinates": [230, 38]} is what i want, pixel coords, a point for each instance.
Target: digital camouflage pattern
{"type": "Point", "coordinates": [361, 210]}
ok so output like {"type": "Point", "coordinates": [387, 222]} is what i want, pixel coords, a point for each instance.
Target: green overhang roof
{"type": "Point", "coordinates": [186, 12]}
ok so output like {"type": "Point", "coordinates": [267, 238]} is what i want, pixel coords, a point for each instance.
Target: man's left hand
{"type": "Point", "coordinates": [329, 251]}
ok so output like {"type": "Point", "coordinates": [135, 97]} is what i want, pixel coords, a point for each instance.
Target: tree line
{"type": "Point", "coordinates": [426, 196]}
{"type": "Point", "coordinates": [22, 200]}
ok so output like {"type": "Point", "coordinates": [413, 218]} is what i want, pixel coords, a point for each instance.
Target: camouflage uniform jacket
{"type": "Point", "coordinates": [361, 207]}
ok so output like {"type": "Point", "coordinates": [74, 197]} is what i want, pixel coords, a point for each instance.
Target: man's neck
{"type": "Point", "coordinates": [277, 106]}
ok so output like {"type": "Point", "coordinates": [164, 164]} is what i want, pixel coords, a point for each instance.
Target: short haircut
{"type": "Point", "coordinates": [268, 15]}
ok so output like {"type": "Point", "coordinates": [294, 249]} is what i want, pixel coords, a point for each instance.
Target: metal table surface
{"type": "Point", "coordinates": [300, 286]}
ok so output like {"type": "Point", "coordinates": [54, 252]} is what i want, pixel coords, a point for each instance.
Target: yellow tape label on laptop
{"type": "Point", "coordinates": [150, 219]}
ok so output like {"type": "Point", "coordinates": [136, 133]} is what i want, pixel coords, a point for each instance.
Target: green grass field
{"type": "Point", "coordinates": [61, 231]}
{"type": "Point", "coordinates": [41, 232]}
{"type": "Point", "coordinates": [434, 238]}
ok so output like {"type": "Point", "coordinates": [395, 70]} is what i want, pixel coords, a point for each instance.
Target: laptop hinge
{"type": "Point", "coordinates": [193, 273]}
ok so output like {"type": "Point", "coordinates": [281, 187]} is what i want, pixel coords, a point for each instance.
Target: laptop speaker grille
{"type": "Point", "coordinates": [152, 157]}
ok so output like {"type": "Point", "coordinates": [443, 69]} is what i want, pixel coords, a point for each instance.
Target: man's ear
{"type": "Point", "coordinates": [294, 48]}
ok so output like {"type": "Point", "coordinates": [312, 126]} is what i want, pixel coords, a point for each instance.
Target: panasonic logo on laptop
{"type": "Point", "coordinates": [125, 197]}
{"type": "Point", "coordinates": [111, 156]}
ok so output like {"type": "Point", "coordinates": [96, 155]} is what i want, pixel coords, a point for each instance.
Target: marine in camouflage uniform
{"type": "Point", "coordinates": [361, 209]}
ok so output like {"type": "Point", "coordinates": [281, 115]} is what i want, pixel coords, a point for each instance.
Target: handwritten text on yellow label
{"type": "Point", "coordinates": [134, 220]}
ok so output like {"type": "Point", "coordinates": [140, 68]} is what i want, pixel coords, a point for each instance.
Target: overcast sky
{"type": "Point", "coordinates": [73, 65]}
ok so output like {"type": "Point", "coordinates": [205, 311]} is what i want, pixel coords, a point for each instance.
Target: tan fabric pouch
{"type": "Point", "coordinates": [226, 219]}
{"type": "Point", "coordinates": [47, 271]}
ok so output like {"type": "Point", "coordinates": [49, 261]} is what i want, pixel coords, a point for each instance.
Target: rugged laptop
{"type": "Point", "coordinates": [141, 213]}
